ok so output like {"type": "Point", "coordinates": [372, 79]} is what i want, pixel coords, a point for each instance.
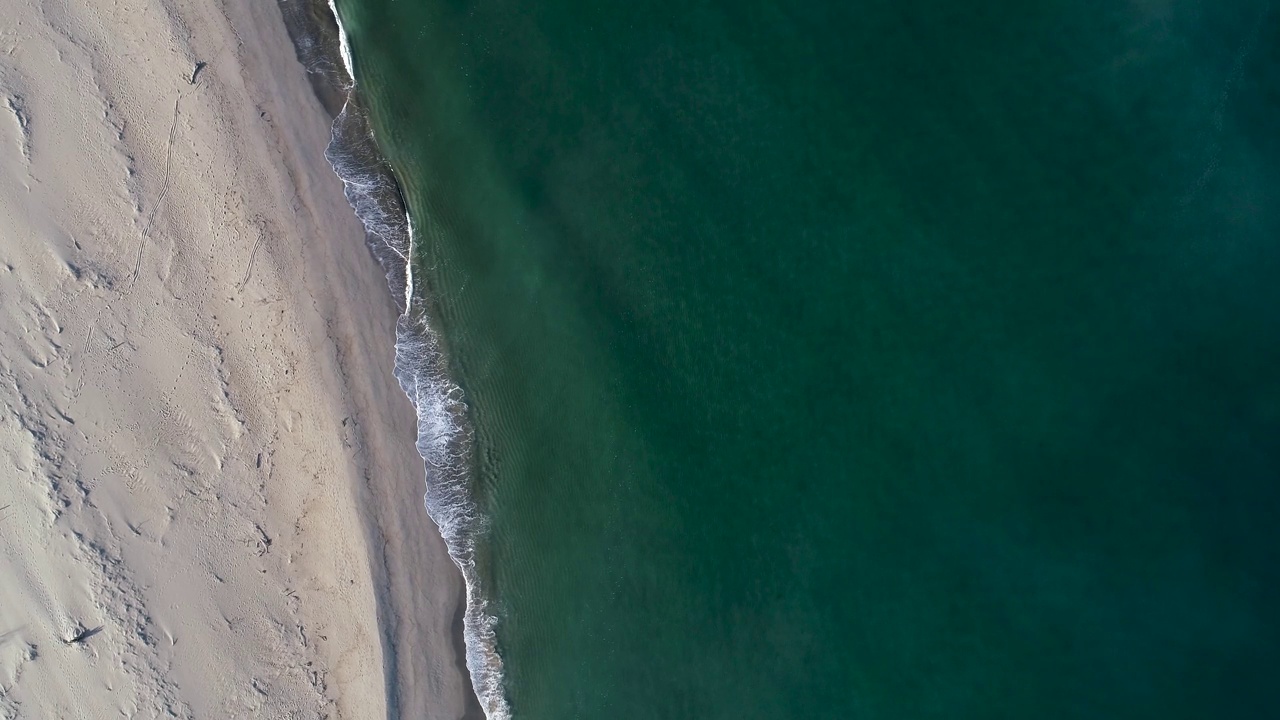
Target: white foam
{"type": "Point", "coordinates": [444, 442]}
{"type": "Point", "coordinates": [344, 45]}
{"type": "Point", "coordinates": [444, 434]}
{"type": "Point", "coordinates": [408, 266]}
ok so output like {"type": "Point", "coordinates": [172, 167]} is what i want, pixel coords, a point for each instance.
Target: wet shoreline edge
{"type": "Point", "coordinates": [315, 35]}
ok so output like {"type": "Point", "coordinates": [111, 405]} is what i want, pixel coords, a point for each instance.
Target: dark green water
{"type": "Point", "coordinates": [909, 359]}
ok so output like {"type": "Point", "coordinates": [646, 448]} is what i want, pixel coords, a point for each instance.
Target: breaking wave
{"type": "Point", "coordinates": [445, 436]}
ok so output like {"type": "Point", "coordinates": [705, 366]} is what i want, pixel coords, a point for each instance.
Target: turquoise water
{"type": "Point", "coordinates": [874, 359]}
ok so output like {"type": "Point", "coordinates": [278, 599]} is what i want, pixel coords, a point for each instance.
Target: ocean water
{"type": "Point", "coordinates": [872, 359]}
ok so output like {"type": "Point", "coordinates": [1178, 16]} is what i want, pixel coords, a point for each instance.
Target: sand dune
{"type": "Point", "coordinates": [205, 464]}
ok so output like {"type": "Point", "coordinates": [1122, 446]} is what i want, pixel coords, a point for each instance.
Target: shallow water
{"type": "Point", "coordinates": [875, 359]}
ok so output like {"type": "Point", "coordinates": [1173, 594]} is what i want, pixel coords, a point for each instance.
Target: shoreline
{"type": "Point", "coordinates": [377, 199]}
{"type": "Point", "coordinates": [214, 507]}
{"type": "Point", "coordinates": [444, 433]}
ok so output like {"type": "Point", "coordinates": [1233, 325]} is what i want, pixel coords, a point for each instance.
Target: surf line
{"type": "Point", "coordinates": [444, 435]}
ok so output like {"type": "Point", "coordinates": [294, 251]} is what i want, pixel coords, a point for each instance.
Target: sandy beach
{"type": "Point", "coordinates": [211, 504]}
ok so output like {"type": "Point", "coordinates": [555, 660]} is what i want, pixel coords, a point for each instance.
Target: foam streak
{"type": "Point", "coordinates": [445, 436]}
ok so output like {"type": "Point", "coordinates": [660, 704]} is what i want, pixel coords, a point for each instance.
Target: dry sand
{"type": "Point", "coordinates": [203, 451]}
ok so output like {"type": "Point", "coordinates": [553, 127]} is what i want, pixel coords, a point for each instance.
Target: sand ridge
{"type": "Point", "coordinates": [204, 455]}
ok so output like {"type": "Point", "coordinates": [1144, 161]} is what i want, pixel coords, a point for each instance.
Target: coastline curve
{"type": "Point", "coordinates": [444, 434]}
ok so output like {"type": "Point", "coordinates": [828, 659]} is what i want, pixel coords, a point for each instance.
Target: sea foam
{"type": "Point", "coordinates": [445, 436]}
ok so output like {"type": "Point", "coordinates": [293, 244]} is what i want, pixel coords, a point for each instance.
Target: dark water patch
{"type": "Point", "coordinates": [855, 360]}
{"type": "Point", "coordinates": [314, 33]}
